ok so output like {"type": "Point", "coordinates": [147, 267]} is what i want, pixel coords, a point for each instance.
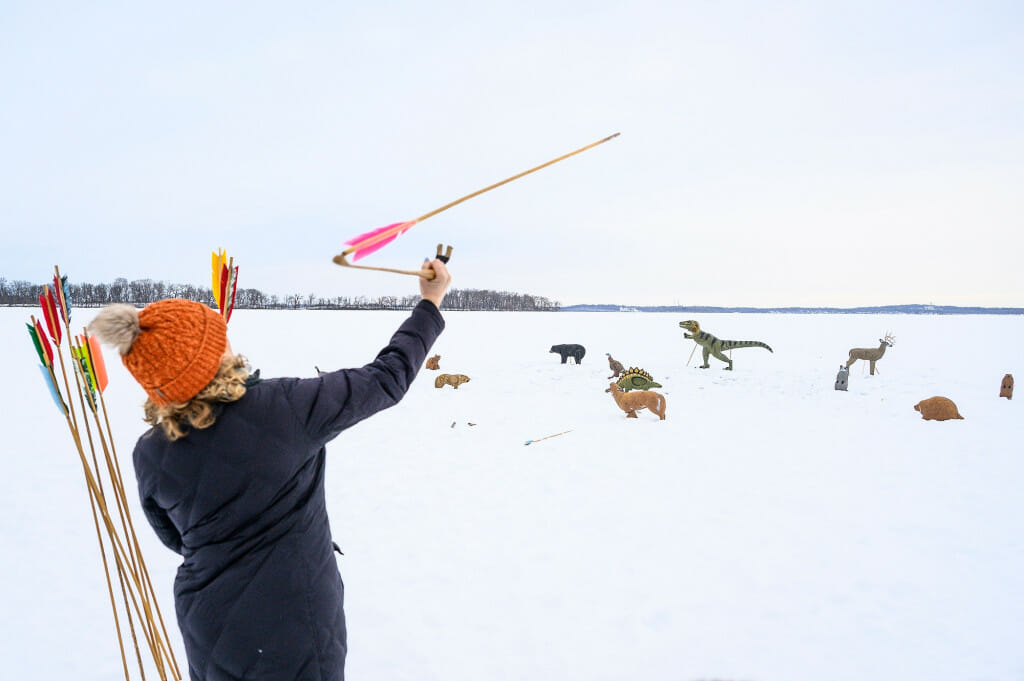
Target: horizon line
{"type": "Point", "coordinates": [891, 306]}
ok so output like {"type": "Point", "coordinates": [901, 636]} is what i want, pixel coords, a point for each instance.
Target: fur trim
{"type": "Point", "coordinates": [117, 325]}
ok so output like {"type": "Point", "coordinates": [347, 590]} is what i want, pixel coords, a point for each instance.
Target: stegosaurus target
{"type": "Point", "coordinates": [636, 378]}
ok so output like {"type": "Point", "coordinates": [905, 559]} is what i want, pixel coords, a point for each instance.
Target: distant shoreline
{"type": "Point", "coordinates": [688, 309]}
{"type": "Point", "coordinates": [879, 309]}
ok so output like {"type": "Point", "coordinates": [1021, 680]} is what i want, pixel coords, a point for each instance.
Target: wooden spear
{"type": "Point", "coordinates": [367, 243]}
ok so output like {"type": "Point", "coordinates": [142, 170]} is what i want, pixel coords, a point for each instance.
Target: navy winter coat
{"type": "Point", "coordinates": [258, 594]}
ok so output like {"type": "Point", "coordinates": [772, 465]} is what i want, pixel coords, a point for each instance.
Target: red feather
{"type": "Point", "coordinates": [49, 306]}
{"type": "Point", "coordinates": [224, 273]}
{"type": "Point", "coordinates": [45, 343]}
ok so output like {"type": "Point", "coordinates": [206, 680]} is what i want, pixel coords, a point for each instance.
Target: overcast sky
{"type": "Point", "coordinates": [797, 153]}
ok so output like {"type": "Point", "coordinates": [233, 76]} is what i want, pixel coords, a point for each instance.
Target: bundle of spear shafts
{"type": "Point", "coordinates": [132, 598]}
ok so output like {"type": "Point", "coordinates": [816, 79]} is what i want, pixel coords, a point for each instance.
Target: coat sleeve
{"type": "Point", "coordinates": [334, 401]}
{"type": "Point", "coordinates": [162, 525]}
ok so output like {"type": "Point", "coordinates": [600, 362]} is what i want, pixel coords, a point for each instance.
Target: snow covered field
{"type": "Point", "coordinates": [772, 528]}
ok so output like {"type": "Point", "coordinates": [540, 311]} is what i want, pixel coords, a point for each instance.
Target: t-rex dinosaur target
{"type": "Point", "coordinates": [711, 345]}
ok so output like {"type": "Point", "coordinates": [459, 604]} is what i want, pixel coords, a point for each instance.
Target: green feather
{"type": "Point", "coordinates": [35, 341]}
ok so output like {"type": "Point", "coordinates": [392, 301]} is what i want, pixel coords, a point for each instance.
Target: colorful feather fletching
{"type": "Point", "coordinates": [37, 343]}
{"type": "Point", "coordinates": [79, 352]}
{"type": "Point", "coordinates": [88, 351]}
{"type": "Point", "coordinates": [365, 244]}
{"type": "Point", "coordinates": [43, 345]}
{"type": "Point", "coordinates": [99, 366]}
{"type": "Point", "coordinates": [51, 383]}
{"type": "Point", "coordinates": [45, 352]}
{"type": "Point", "coordinates": [224, 281]}
{"type": "Point", "coordinates": [217, 261]}
{"type": "Point", "coordinates": [234, 290]}
{"type": "Point", "coordinates": [59, 286]}
{"type": "Point", "coordinates": [81, 355]}
{"type": "Point", "coordinates": [49, 307]}
{"type": "Point", "coordinates": [222, 286]}
{"type": "Point", "coordinates": [220, 263]}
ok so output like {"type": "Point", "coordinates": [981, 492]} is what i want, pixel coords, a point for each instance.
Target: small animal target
{"type": "Point", "coordinates": [615, 365]}
{"type": "Point", "coordinates": [454, 380]}
{"type": "Point", "coordinates": [937, 409]}
{"type": "Point", "coordinates": [842, 378]}
{"type": "Point", "coordinates": [1006, 389]}
{"type": "Point", "coordinates": [432, 362]}
{"type": "Point", "coordinates": [632, 402]}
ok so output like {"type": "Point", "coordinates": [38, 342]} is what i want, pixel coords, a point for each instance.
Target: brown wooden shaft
{"type": "Point", "coordinates": [514, 177]}
{"type": "Point", "coordinates": [427, 274]}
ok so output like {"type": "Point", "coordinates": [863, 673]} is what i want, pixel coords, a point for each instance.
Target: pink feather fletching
{"type": "Point", "coordinates": [368, 243]}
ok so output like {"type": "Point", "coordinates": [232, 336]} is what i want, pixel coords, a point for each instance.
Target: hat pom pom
{"type": "Point", "coordinates": [117, 325]}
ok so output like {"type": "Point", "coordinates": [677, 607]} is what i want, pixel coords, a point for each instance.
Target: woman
{"type": "Point", "coordinates": [231, 476]}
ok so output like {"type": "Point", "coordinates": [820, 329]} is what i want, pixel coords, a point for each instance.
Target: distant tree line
{"type": "Point", "coordinates": [143, 291]}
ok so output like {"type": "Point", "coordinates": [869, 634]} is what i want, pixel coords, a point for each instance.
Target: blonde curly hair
{"type": "Point", "coordinates": [177, 418]}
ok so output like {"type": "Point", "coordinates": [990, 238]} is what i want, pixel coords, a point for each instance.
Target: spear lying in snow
{"type": "Point", "coordinates": [367, 243]}
{"type": "Point", "coordinates": [547, 436]}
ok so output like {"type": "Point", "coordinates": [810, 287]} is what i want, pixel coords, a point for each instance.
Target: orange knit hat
{"type": "Point", "coordinates": [172, 347]}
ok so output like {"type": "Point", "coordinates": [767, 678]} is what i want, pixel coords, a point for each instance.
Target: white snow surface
{"type": "Point", "coordinates": [771, 528]}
